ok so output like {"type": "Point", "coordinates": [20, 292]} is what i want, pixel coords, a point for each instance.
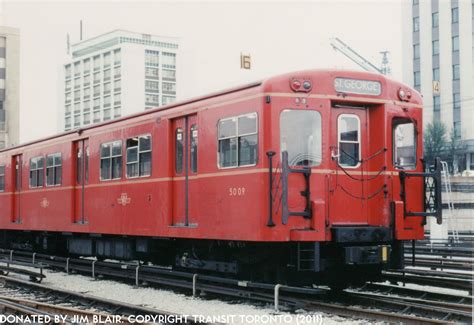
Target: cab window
{"type": "Point", "coordinates": [348, 126]}
{"type": "Point", "coordinates": [300, 136]}
{"type": "Point", "coordinates": [404, 144]}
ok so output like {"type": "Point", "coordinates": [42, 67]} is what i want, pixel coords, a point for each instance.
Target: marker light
{"type": "Point", "coordinates": [295, 85]}
{"type": "Point", "coordinates": [402, 94]}
{"type": "Point", "coordinates": [307, 85]}
{"type": "Point", "coordinates": [303, 86]}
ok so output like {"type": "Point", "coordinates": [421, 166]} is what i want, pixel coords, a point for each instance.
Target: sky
{"type": "Point", "coordinates": [280, 36]}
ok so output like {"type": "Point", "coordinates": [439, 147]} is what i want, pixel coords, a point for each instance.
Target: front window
{"type": "Point", "coordinates": [300, 136]}
{"type": "Point", "coordinates": [238, 139]}
{"type": "Point", "coordinates": [404, 145]}
{"type": "Point", "coordinates": [348, 140]}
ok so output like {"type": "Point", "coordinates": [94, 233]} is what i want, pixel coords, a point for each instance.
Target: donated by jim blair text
{"type": "Point", "coordinates": [160, 319]}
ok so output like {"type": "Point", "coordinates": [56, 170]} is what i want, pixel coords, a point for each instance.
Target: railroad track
{"type": "Point", "coordinates": [365, 305]}
{"type": "Point", "coordinates": [47, 301]}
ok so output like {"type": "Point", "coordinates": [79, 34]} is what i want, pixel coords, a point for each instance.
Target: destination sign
{"type": "Point", "coordinates": [358, 86]}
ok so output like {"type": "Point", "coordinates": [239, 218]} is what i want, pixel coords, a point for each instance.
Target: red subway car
{"type": "Point", "coordinates": [306, 175]}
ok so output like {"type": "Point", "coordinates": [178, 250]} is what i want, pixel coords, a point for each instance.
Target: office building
{"type": "Point", "coordinates": [9, 86]}
{"type": "Point", "coordinates": [118, 74]}
{"type": "Point", "coordinates": [438, 60]}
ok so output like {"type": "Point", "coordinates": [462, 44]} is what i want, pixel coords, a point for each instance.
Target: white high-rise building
{"type": "Point", "coordinates": [439, 61]}
{"type": "Point", "coordinates": [9, 87]}
{"type": "Point", "coordinates": [118, 74]}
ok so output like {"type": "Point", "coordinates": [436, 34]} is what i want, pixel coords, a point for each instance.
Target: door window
{"type": "Point", "coordinates": [349, 140]}
{"type": "Point", "coordinates": [194, 147]}
{"type": "Point", "coordinates": [404, 145]}
{"type": "Point", "coordinates": [179, 151]}
{"type": "Point", "coordinates": [300, 136]}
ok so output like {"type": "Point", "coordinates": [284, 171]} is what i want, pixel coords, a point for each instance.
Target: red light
{"type": "Point", "coordinates": [296, 84]}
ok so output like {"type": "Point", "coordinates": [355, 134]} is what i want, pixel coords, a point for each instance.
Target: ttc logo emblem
{"type": "Point", "coordinates": [123, 200]}
{"type": "Point", "coordinates": [44, 203]}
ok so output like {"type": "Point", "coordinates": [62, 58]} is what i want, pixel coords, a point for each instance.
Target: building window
{"type": "Point", "coordinates": [68, 97]}
{"type": "Point", "coordinates": [169, 74]}
{"type": "Point", "coordinates": [107, 74]}
{"type": "Point", "coordinates": [455, 15]}
{"type": "Point", "coordinates": [152, 99]}
{"type": "Point", "coordinates": [117, 99]}
{"type": "Point", "coordinates": [77, 95]}
{"type": "Point", "coordinates": [416, 24]}
{"type": "Point", "coordinates": [455, 43]}
{"type": "Point", "coordinates": [107, 88]}
{"type": "Point", "coordinates": [169, 87]}
{"type": "Point", "coordinates": [87, 66]}
{"type": "Point", "coordinates": [87, 93]}
{"type": "Point", "coordinates": [87, 106]}
{"type": "Point", "coordinates": [416, 51]}
{"type": "Point", "coordinates": [165, 100]}
{"type": "Point", "coordinates": [117, 85]}
{"type": "Point", "coordinates": [53, 169]}
{"type": "Point", "coordinates": [68, 85]}
{"type": "Point", "coordinates": [456, 72]}
{"type": "Point", "coordinates": [96, 62]}
{"type": "Point", "coordinates": [117, 72]}
{"type": "Point", "coordinates": [457, 115]}
{"type": "Point", "coordinates": [152, 86]}
{"type": "Point", "coordinates": [139, 156]}
{"type": "Point", "coordinates": [107, 114]}
{"type": "Point", "coordinates": [194, 148]}
{"type": "Point", "coordinates": [117, 57]}
{"type": "Point", "coordinates": [436, 47]}
{"type": "Point", "coordinates": [96, 104]}
{"type": "Point", "coordinates": [436, 74]}
{"type": "Point", "coordinates": [87, 80]}
{"type": "Point", "coordinates": [404, 149]}
{"type": "Point", "coordinates": [107, 101]}
{"type": "Point", "coordinates": [77, 120]}
{"type": "Point", "coordinates": [67, 71]}
{"type": "Point", "coordinates": [87, 118]}
{"type": "Point", "coordinates": [471, 165]}
{"type": "Point", "coordinates": [435, 19]}
{"type": "Point", "coordinates": [237, 139]}
{"type": "Point", "coordinates": [96, 116]}
{"type": "Point", "coordinates": [96, 90]}
{"type": "Point", "coordinates": [111, 161]}
{"type": "Point", "coordinates": [107, 59]}
{"type": "Point", "coordinates": [36, 172]}
{"type": "Point", "coordinates": [77, 108]}
{"type": "Point", "coordinates": [349, 140]}
{"type": "Point", "coordinates": [68, 109]}
{"type": "Point", "coordinates": [169, 60]}
{"type": "Point", "coordinates": [117, 111]}
{"type": "Point", "coordinates": [67, 123]}
{"type": "Point", "coordinates": [152, 73]}
{"type": "Point", "coordinates": [415, 2]}
{"type": "Point", "coordinates": [436, 108]}
{"type": "Point", "coordinates": [2, 178]}
{"type": "Point", "coordinates": [96, 77]}
{"type": "Point", "coordinates": [77, 69]}
{"type": "Point", "coordinates": [152, 58]}
{"type": "Point", "coordinates": [417, 78]}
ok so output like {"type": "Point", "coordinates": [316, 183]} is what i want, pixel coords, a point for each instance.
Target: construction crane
{"type": "Point", "coordinates": [351, 54]}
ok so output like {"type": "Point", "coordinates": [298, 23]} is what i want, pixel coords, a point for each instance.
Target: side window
{"type": "Point", "coordinates": [53, 169]}
{"type": "Point", "coordinates": [194, 147]}
{"type": "Point", "coordinates": [349, 140]}
{"type": "Point", "coordinates": [139, 156]}
{"type": "Point", "coordinates": [36, 172]}
{"type": "Point", "coordinates": [2, 178]}
{"type": "Point", "coordinates": [238, 141]}
{"type": "Point", "coordinates": [179, 151]}
{"type": "Point", "coordinates": [110, 161]}
{"type": "Point", "coordinates": [404, 144]}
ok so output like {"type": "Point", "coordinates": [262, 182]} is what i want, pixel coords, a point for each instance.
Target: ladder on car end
{"type": "Point", "coordinates": [448, 199]}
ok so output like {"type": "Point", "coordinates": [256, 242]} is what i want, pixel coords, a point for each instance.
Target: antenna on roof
{"type": "Point", "coordinates": [68, 44]}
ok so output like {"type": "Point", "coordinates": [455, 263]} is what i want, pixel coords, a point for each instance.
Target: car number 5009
{"type": "Point", "coordinates": [236, 191]}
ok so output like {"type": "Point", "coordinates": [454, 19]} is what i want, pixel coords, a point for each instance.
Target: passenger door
{"type": "Point", "coordinates": [17, 163]}
{"type": "Point", "coordinates": [185, 170]}
{"type": "Point", "coordinates": [348, 147]}
{"type": "Point", "coordinates": [81, 150]}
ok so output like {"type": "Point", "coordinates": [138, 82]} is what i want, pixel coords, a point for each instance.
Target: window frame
{"type": "Point", "coordinates": [111, 157]}
{"type": "Point", "coordinates": [54, 155]}
{"type": "Point", "coordinates": [237, 136]}
{"type": "Point", "coordinates": [4, 167]}
{"type": "Point", "coordinates": [36, 170]}
{"type": "Point", "coordinates": [396, 121]}
{"type": "Point", "coordinates": [138, 156]}
{"type": "Point", "coordinates": [359, 142]}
